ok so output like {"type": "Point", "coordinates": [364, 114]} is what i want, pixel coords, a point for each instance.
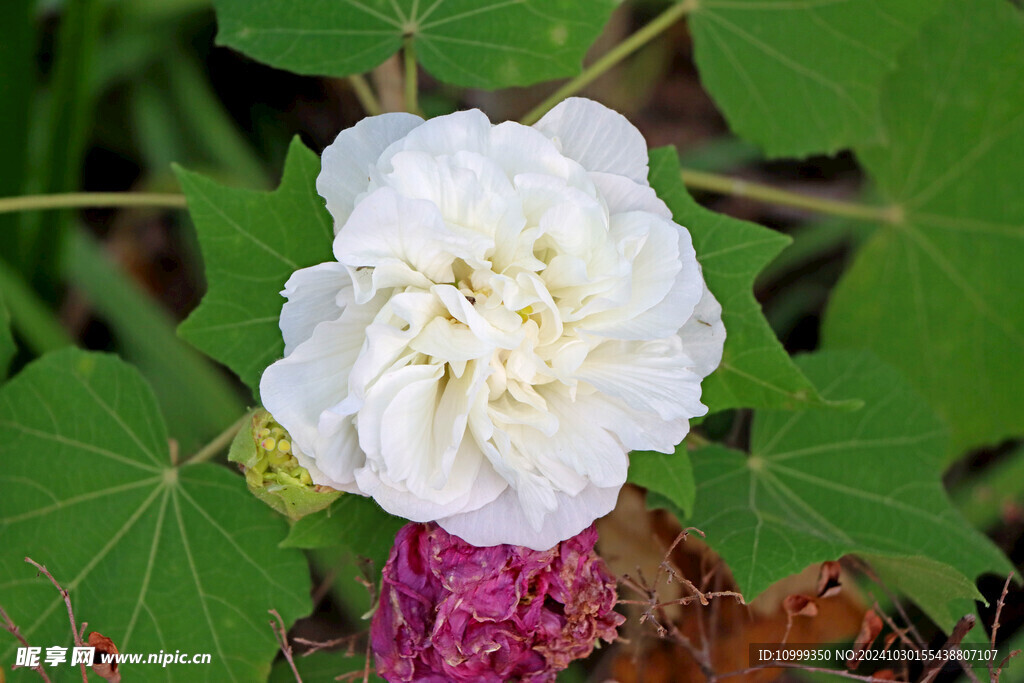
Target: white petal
{"type": "Point", "coordinates": [603, 460]}
{"type": "Point", "coordinates": [703, 335]}
{"type": "Point", "coordinates": [450, 340]}
{"type": "Point", "coordinates": [469, 190]}
{"type": "Point", "coordinates": [463, 131]}
{"type": "Point", "coordinates": [505, 521]}
{"type": "Point", "coordinates": [407, 237]}
{"type": "Point", "coordinates": [599, 138]}
{"type": "Point", "coordinates": [346, 163]}
{"type": "Point", "coordinates": [313, 378]}
{"type": "Point", "coordinates": [621, 194]}
{"type": "Point", "coordinates": [315, 295]}
{"type": "Point", "coordinates": [337, 450]}
{"type": "Point", "coordinates": [521, 150]}
{"type": "Point", "coordinates": [319, 477]}
{"type": "Point", "coordinates": [637, 430]}
{"type": "Point", "coordinates": [666, 282]}
{"type": "Point", "coordinates": [654, 376]}
{"type": "Point", "coordinates": [471, 473]}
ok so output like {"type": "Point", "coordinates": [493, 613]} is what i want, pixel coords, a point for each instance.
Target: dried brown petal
{"type": "Point", "coordinates": [828, 580]}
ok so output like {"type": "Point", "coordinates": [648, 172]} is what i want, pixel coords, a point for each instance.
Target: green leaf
{"type": "Point", "coordinates": [155, 556]}
{"type": "Point", "coordinates": [668, 475]}
{"type": "Point", "coordinates": [322, 667]}
{"type": "Point", "coordinates": [802, 77]}
{"type": "Point", "coordinates": [822, 484]}
{"type": "Point", "coordinates": [352, 521]}
{"type": "Point", "coordinates": [472, 43]}
{"type": "Point", "coordinates": [933, 586]}
{"type": "Point", "coordinates": [252, 242]}
{"type": "Point", "coordinates": [196, 399]}
{"type": "Point", "coordinates": [938, 294]}
{"type": "Point", "coordinates": [755, 371]}
{"type": "Point", "coordinates": [7, 345]}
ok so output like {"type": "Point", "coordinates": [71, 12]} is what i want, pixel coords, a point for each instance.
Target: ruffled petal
{"type": "Point", "coordinates": [703, 335]}
{"type": "Point", "coordinates": [653, 376]}
{"type": "Point", "coordinates": [346, 162]}
{"type": "Point", "coordinates": [599, 138]}
{"type": "Point", "coordinates": [505, 521]}
{"type": "Point", "coordinates": [666, 281]}
{"type": "Point", "coordinates": [621, 195]}
{"type": "Point", "coordinates": [311, 379]}
{"type": "Point", "coordinates": [315, 295]}
{"type": "Point", "coordinates": [405, 238]}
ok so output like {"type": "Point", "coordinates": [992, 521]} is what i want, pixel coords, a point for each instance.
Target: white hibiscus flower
{"type": "Point", "coordinates": [512, 310]}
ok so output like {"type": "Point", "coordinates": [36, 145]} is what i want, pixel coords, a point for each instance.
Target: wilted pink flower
{"type": "Point", "coordinates": [450, 611]}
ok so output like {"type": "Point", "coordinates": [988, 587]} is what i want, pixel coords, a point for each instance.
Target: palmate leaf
{"type": "Point", "coordinates": [802, 77]}
{"type": "Point", "coordinates": [155, 556]}
{"type": "Point", "coordinates": [472, 43]}
{"type": "Point", "coordinates": [821, 484]}
{"type": "Point", "coordinates": [756, 372]}
{"type": "Point", "coordinates": [668, 476]}
{"type": "Point", "coordinates": [352, 521]}
{"type": "Point", "coordinates": [252, 242]}
{"type": "Point", "coordinates": [938, 294]}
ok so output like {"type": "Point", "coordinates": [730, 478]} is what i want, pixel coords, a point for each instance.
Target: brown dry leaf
{"type": "Point", "coordinates": [631, 536]}
{"type": "Point", "coordinates": [800, 606]}
{"type": "Point", "coordinates": [828, 580]}
{"type": "Point", "coordinates": [870, 627]}
{"type": "Point", "coordinates": [106, 646]}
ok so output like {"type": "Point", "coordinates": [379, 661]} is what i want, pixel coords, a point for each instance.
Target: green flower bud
{"type": "Point", "coordinates": [266, 455]}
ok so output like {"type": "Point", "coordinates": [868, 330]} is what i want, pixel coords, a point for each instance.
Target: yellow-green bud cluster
{"type": "Point", "coordinates": [275, 462]}
{"type": "Point", "coordinates": [273, 473]}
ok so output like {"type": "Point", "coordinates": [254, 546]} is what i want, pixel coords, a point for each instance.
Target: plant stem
{"type": "Point", "coordinates": [737, 187]}
{"type": "Point", "coordinates": [40, 202]}
{"type": "Point", "coordinates": [611, 58]}
{"type": "Point", "coordinates": [219, 443]}
{"type": "Point", "coordinates": [411, 82]}
{"type": "Point", "coordinates": [696, 180]}
{"type": "Point", "coordinates": [365, 95]}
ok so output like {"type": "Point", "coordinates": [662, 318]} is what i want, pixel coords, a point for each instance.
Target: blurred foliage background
{"type": "Point", "coordinates": [103, 95]}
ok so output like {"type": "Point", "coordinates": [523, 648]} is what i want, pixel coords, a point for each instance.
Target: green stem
{"type": "Point", "coordinates": [34, 321]}
{"type": "Point", "coordinates": [219, 443]}
{"type": "Point", "coordinates": [611, 58]}
{"type": "Point", "coordinates": [411, 82]}
{"type": "Point", "coordinates": [80, 200]}
{"type": "Point", "coordinates": [365, 95]}
{"type": "Point", "coordinates": [737, 187]}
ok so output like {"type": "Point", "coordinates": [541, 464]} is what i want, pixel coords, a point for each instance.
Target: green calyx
{"type": "Point", "coordinates": [266, 455]}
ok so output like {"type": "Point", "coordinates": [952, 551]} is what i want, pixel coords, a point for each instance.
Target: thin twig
{"type": "Point", "coordinates": [219, 443]}
{"type": "Point", "coordinates": [71, 612]}
{"type": "Point", "coordinates": [738, 187]}
{"type": "Point", "coordinates": [933, 667]}
{"type": "Point", "coordinates": [870, 573]}
{"type": "Point", "coordinates": [900, 632]}
{"type": "Point", "coordinates": [1006, 660]}
{"type": "Point", "coordinates": [317, 645]}
{"type": "Point", "coordinates": [364, 93]}
{"type": "Point", "coordinates": [281, 635]}
{"type": "Point", "coordinates": [411, 82]}
{"type": "Point", "coordinates": [995, 621]}
{"type": "Point", "coordinates": [82, 200]}
{"type": "Point", "coordinates": [12, 628]}
{"type": "Point", "coordinates": [802, 667]}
